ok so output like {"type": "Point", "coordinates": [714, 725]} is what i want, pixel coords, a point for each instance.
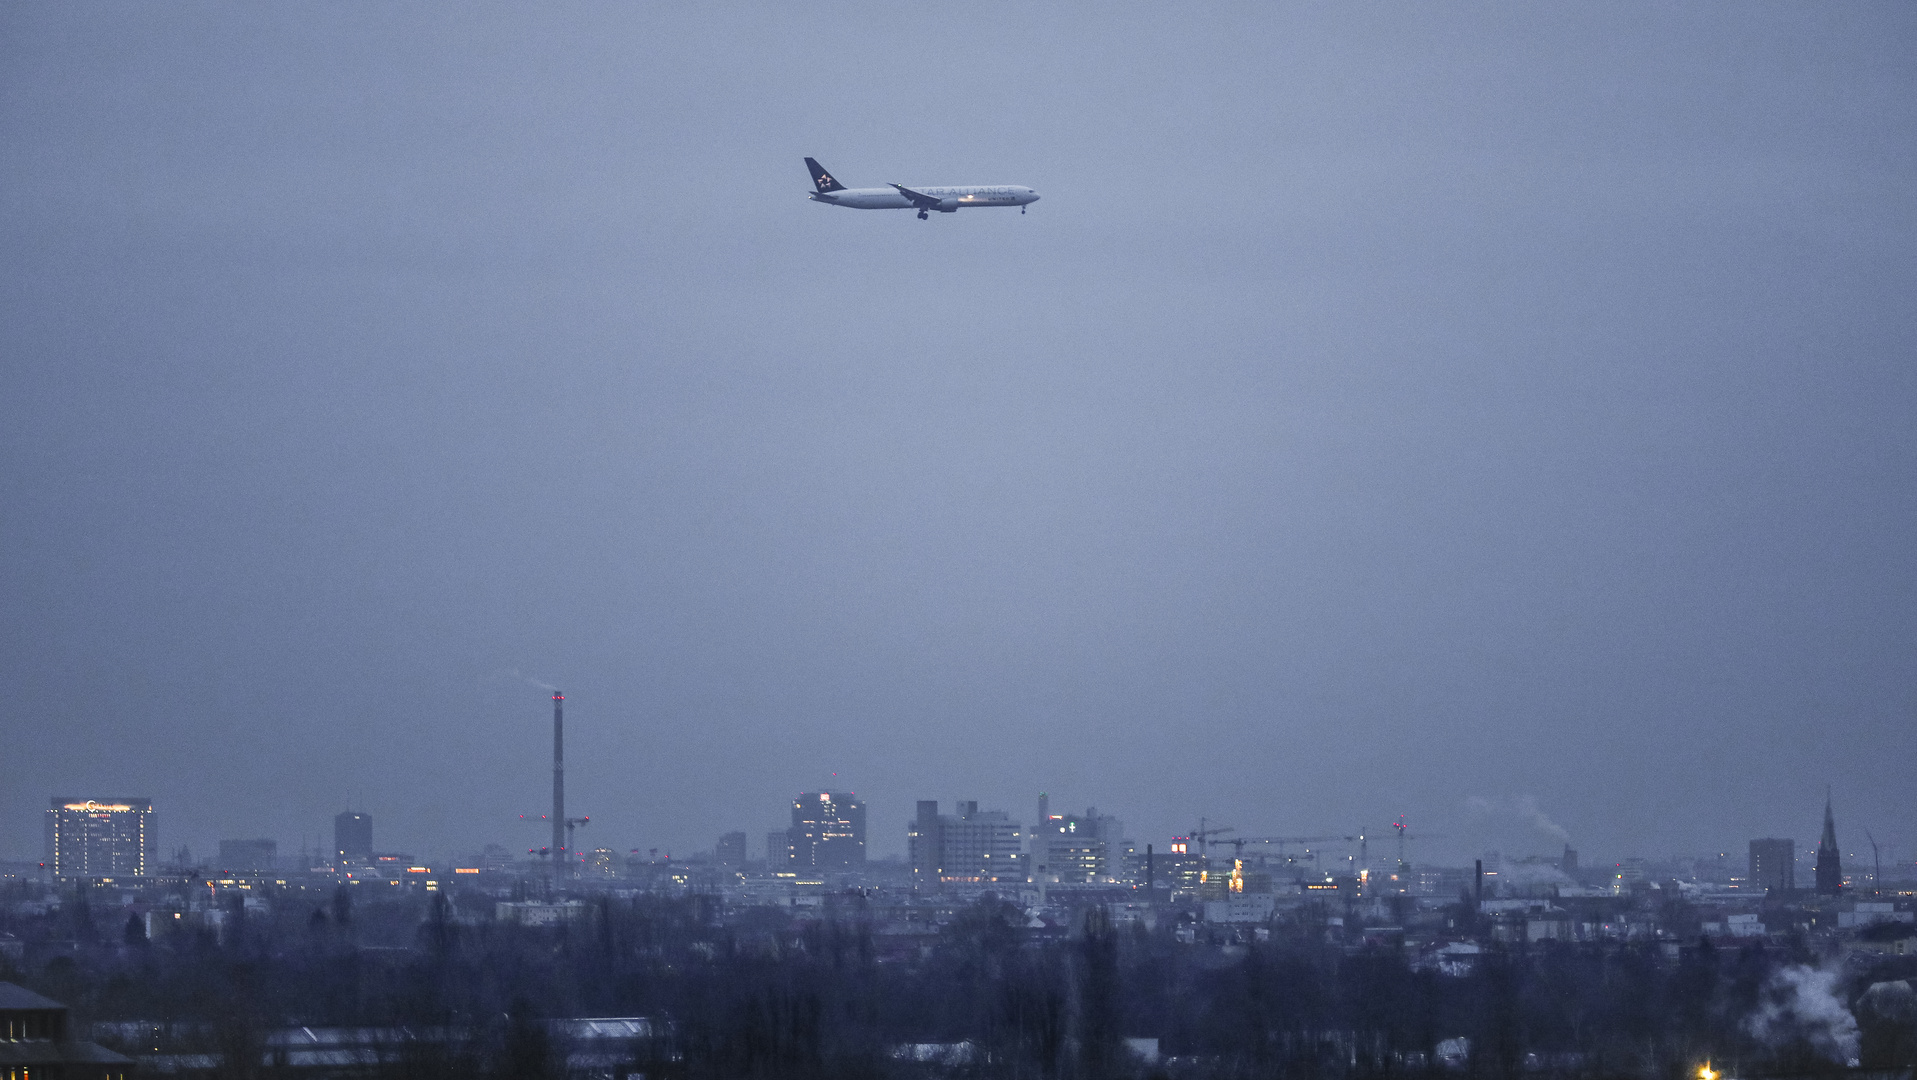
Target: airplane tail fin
{"type": "Point", "coordinates": [822, 179]}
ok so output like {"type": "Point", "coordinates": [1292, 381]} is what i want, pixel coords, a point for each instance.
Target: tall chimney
{"type": "Point", "coordinates": [559, 856]}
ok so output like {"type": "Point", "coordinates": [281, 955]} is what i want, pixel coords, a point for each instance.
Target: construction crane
{"type": "Point", "coordinates": [1202, 835]}
{"type": "Point", "coordinates": [1238, 842]}
{"type": "Point", "coordinates": [1402, 830]}
{"type": "Point", "coordinates": [564, 861]}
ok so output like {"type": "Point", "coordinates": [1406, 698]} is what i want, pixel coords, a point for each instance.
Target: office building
{"type": "Point", "coordinates": [778, 850]}
{"type": "Point", "coordinates": [1074, 848]}
{"type": "Point", "coordinates": [1830, 868]}
{"type": "Point", "coordinates": [828, 832]}
{"type": "Point", "coordinates": [1774, 865]}
{"type": "Point", "coordinates": [353, 839]}
{"type": "Point", "coordinates": [730, 850]}
{"type": "Point", "coordinates": [100, 838]}
{"type": "Point", "coordinates": [971, 846]}
{"type": "Point", "coordinates": [248, 854]}
{"type": "Point", "coordinates": [1180, 868]}
{"type": "Point", "coordinates": [922, 840]}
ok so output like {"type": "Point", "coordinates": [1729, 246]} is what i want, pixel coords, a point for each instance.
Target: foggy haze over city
{"type": "Point", "coordinates": [1496, 416]}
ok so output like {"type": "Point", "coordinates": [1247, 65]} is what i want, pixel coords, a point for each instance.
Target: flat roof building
{"type": "Point", "coordinates": [1074, 848]}
{"type": "Point", "coordinates": [828, 831]}
{"type": "Point", "coordinates": [1774, 865]}
{"type": "Point", "coordinates": [353, 838]}
{"type": "Point", "coordinates": [249, 854]}
{"type": "Point", "coordinates": [100, 838]}
{"type": "Point", "coordinates": [970, 846]}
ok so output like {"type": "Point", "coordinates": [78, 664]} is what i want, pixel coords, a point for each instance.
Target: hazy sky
{"type": "Point", "coordinates": [1393, 409]}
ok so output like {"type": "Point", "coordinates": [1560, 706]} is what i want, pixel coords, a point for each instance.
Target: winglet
{"type": "Point", "coordinates": [822, 179]}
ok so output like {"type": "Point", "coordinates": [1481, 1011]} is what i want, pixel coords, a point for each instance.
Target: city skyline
{"type": "Point", "coordinates": [1498, 417]}
{"type": "Point", "coordinates": [949, 847]}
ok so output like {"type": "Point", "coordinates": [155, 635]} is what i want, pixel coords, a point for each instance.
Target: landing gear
{"type": "Point", "coordinates": [923, 215]}
{"type": "Point", "coordinates": [1021, 211]}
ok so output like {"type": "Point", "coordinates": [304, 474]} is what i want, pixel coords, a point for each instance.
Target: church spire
{"type": "Point", "coordinates": [1830, 870]}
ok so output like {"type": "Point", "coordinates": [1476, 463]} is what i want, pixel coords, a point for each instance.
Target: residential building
{"type": "Point", "coordinates": [1241, 908]}
{"type": "Point", "coordinates": [731, 849]}
{"type": "Point", "coordinates": [35, 1041]}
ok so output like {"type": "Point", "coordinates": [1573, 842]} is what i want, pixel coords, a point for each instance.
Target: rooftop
{"type": "Point", "coordinates": [19, 997]}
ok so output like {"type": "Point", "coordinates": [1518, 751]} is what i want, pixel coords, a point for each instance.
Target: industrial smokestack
{"type": "Point", "coordinates": [559, 856]}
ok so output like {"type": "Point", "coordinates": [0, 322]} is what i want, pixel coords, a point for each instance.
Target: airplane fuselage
{"type": "Point", "coordinates": [950, 199]}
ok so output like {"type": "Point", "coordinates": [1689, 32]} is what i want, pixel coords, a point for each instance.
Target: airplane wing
{"type": "Point", "coordinates": [919, 198]}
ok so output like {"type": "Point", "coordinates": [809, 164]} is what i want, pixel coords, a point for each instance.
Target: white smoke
{"type": "Point", "coordinates": [1799, 1002]}
{"type": "Point", "coordinates": [1527, 808]}
{"type": "Point", "coordinates": [1522, 807]}
{"type": "Point", "coordinates": [520, 676]}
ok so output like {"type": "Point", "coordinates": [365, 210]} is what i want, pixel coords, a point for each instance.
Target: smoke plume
{"type": "Point", "coordinates": [1799, 1004]}
{"type": "Point", "coordinates": [520, 676]}
{"type": "Point", "coordinates": [1522, 807]}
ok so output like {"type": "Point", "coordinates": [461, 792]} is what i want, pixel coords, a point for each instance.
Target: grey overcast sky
{"type": "Point", "coordinates": [1502, 415]}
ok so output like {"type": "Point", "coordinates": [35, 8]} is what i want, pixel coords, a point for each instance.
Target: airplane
{"type": "Point", "coordinates": [946, 200]}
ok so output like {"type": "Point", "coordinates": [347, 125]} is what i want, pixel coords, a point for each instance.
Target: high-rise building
{"type": "Point", "coordinates": [1830, 869]}
{"type": "Point", "coordinates": [353, 838]}
{"type": "Point", "coordinates": [828, 831]}
{"type": "Point", "coordinates": [101, 838]}
{"type": "Point", "coordinates": [248, 854]}
{"type": "Point", "coordinates": [778, 850]}
{"type": "Point", "coordinates": [1071, 848]}
{"type": "Point", "coordinates": [1774, 865]}
{"type": "Point", "coordinates": [1038, 861]}
{"type": "Point", "coordinates": [1180, 868]}
{"type": "Point", "coordinates": [970, 846]}
{"type": "Point", "coordinates": [924, 838]}
{"type": "Point", "coordinates": [730, 850]}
